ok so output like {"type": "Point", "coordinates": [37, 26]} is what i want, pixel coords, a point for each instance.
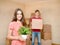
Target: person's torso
{"type": "Point", "coordinates": [35, 30]}
{"type": "Point", "coordinates": [16, 27]}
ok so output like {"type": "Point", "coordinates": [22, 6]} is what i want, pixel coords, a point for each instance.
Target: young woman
{"type": "Point", "coordinates": [36, 32]}
{"type": "Point", "coordinates": [17, 22]}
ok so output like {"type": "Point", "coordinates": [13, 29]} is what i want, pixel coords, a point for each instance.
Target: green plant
{"type": "Point", "coordinates": [24, 30]}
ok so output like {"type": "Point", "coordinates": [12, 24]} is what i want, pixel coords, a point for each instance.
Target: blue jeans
{"type": "Point", "coordinates": [38, 35]}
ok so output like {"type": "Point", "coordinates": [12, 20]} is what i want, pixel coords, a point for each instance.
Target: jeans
{"type": "Point", "coordinates": [38, 35]}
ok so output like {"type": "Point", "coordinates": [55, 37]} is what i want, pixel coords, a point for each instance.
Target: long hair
{"type": "Point", "coordinates": [22, 19]}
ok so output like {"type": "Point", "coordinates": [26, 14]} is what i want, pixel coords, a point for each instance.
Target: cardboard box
{"type": "Point", "coordinates": [47, 32]}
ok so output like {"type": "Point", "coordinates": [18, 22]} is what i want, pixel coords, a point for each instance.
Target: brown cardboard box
{"type": "Point", "coordinates": [8, 42]}
{"type": "Point", "coordinates": [47, 28]}
{"type": "Point", "coordinates": [47, 36]}
{"type": "Point", "coordinates": [47, 31]}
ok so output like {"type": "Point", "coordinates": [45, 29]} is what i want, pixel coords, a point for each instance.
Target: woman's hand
{"type": "Point", "coordinates": [28, 36]}
{"type": "Point", "coordinates": [21, 39]}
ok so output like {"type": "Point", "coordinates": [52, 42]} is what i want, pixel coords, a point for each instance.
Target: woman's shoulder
{"type": "Point", "coordinates": [12, 23]}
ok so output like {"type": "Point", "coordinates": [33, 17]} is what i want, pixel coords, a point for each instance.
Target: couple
{"type": "Point", "coordinates": [19, 21]}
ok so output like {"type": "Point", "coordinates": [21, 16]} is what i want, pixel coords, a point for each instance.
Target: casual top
{"type": "Point", "coordinates": [14, 26]}
{"type": "Point", "coordinates": [35, 30]}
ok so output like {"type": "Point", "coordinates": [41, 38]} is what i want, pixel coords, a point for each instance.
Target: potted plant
{"type": "Point", "coordinates": [24, 31]}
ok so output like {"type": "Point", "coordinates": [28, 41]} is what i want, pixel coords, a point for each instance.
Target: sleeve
{"type": "Point", "coordinates": [11, 27]}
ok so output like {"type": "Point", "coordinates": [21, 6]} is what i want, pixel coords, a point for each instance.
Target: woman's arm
{"type": "Point", "coordinates": [9, 36]}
